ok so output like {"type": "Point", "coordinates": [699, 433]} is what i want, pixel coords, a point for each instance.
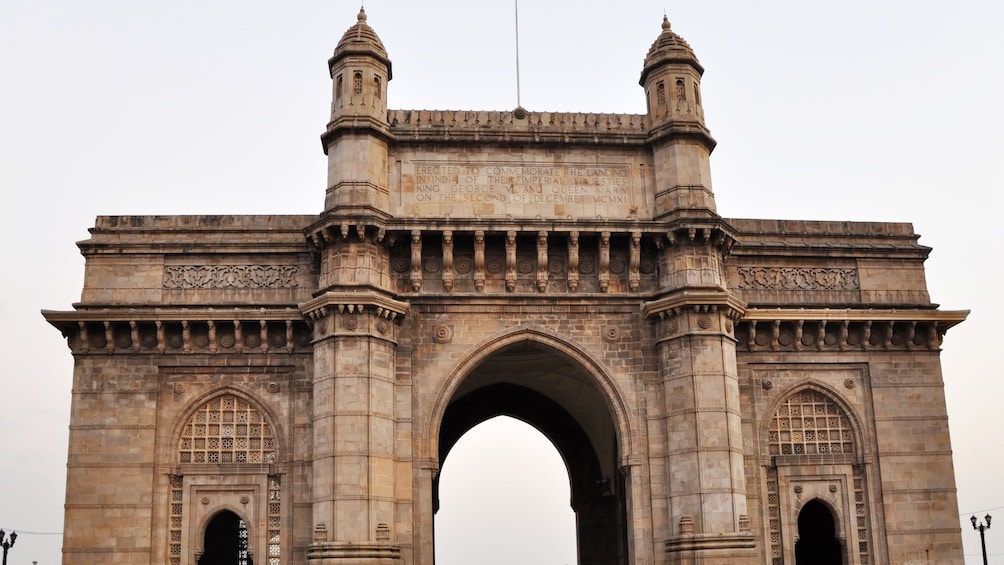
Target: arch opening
{"type": "Point", "coordinates": [505, 483]}
{"type": "Point", "coordinates": [540, 386]}
{"type": "Point", "coordinates": [817, 540]}
{"type": "Point", "coordinates": [225, 541]}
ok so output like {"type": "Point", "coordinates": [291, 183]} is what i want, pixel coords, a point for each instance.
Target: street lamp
{"type": "Point", "coordinates": [7, 544]}
{"type": "Point", "coordinates": [977, 525]}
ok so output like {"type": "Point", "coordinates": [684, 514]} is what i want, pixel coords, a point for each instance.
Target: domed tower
{"type": "Point", "coordinates": [681, 142]}
{"type": "Point", "coordinates": [355, 139]}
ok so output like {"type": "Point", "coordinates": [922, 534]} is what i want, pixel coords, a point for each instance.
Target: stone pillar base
{"type": "Point", "coordinates": [346, 553]}
{"type": "Point", "coordinates": [696, 549]}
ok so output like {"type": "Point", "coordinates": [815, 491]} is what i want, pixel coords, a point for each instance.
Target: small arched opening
{"type": "Point", "coordinates": [817, 538]}
{"type": "Point", "coordinates": [225, 541]}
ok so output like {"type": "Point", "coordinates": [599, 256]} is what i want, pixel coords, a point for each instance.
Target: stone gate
{"type": "Point", "coordinates": [286, 388]}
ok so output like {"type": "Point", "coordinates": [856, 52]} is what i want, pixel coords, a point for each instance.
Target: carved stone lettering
{"type": "Point", "coordinates": [229, 276]}
{"type": "Point", "coordinates": [797, 278]}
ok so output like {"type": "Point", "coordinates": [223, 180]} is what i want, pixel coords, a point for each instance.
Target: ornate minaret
{"type": "Point", "coordinates": [681, 142]}
{"type": "Point", "coordinates": [355, 322]}
{"type": "Point", "coordinates": [356, 136]}
{"type": "Point", "coordinates": [694, 317]}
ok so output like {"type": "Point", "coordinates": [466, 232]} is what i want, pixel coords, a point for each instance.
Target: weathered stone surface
{"type": "Point", "coordinates": [704, 378]}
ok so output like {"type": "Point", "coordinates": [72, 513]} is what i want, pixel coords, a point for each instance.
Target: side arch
{"type": "Point", "coordinates": [832, 395]}
{"type": "Point", "coordinates": [614, 397]}
{"type": "Point", "coordinates": [193, 406]}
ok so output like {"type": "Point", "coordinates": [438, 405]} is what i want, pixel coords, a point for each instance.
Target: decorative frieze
{"type": "Point", "coordinates": [797, 278]}
{"type": "Point", "coordinates": [184, 277]}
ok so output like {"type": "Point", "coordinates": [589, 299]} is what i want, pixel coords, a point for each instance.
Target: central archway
{"type": "Point", "coordinates": [226, 541]}
{"type": "Point", "coordinates": [542, 385]}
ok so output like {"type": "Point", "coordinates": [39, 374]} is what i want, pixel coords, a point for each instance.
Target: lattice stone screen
{"type": "Point", "coordinates": [227, 429]}
{"type": "Point", "coordinates": [809, 423]}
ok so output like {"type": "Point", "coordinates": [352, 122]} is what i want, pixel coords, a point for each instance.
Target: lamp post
{"type": "Point", "coordinates": [977, 525]}
{"type": "Point", "coordinates": [7, 544]}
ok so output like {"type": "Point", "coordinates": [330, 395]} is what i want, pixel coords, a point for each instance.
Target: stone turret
{"type": "Point", "coordinates": [681, 142]}
{"type": "Point", "coordinates": [355, 139]}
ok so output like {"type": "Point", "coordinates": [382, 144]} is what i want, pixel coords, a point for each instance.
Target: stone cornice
{"type": "Point", "coordinates": [701, 299]}
{"type": "Point", "coordinates": [945, 318]}
{"type": "Point", "coordinates": [364, 301]}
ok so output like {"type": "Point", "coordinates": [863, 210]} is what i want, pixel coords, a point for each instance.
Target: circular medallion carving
{"type": "Point", "coordinates": [273, 387]}
{"type": "Point", "coordinates": [833, 488]}
{"type": "Point", "coordinates": [647, 266]}
{"type": "Point", "coordinates": [252, 340]}
{"type": "Point", "coordinates": [898, 338]}
{"type": "Point", "coordinates": [767, 384]}
{"type": "Point", "coordinates": [672, 327]}
{"type": "Point", "coordinates": [704, 322]}
{"type": "Point", "coordinates": [244, 500]}
{"type": "Point", "coordinates": [400, 265]}
{"type": "Point", "coordinates": [618, 266]}
{"type": "Point", "coordinates": [179, 388]}
{"type": "Point", "coordinates": [123, 342]}
{"type": "Point", "coordinates": [555, 267]}
{"type": "Point", "coordinates": [205, 500]}
{"type": "Point", "coordinates": [442, 334]}
{"type": "Point", "coordinates": [520, 113]}
{"type": "Point", "coordinates": [149, 340]}
{"type": "Point", "coordinates": [463, 265]}
{"type": "Point", "coordinates": [174, 341]}
{"type": "Point", "coordinates": [322, 327]}
{"type": "Point", "coordinates": [808, 339]}
{"type": "Point", "coordinates": [494, 265]}
{"type": "Point", "coordinates": [227, 340]}
{"type": "Point", "coordinates": [875, 338]}
{"type": "Point", "coordinates": [587, 267]}
{"type": "Point", "coordinates": [350, 322]}
{"type": "Point", "coordinates": [382, 326]}
{"type": "Point", "coordinates": [611, 334]}
{"type": "Point", "coordinates": [849, 383]}
{"type": "Point", "coordinates": [277, 340]}
{"type": "Point", "coordinates": [785, 338]}
{"type": "Point", "coordinates": [853, 338]}
{"type": "Point", "coordinates": [830, 339]}
{"type": "Point", "coordinates": [432, 265]}
{"type": "Point", "coordinates": [798, 489]}
{"type": "Point", "coordinates": [201, 340]}
{"type": "Point", "coordinates": [98, 340]}
{"type": "Point", "coordinates": [761, 339]}
{"type": "Point", "coordinates": [524, 266]}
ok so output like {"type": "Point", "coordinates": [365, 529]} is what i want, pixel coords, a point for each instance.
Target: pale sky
{"type": "Point", "coordinates": [857, 110]}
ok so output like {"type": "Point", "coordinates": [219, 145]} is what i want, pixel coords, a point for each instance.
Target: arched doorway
{"type": "Point", "coordinates": [537, 384]}
{"type": "Point", "coordinates": [226, 541]}
{"type": "Point", "coordinates": [504, 481]}
{"type": "Point", "coordinates": [817, 540]}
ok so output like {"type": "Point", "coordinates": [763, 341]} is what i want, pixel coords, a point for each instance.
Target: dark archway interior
{"type": "Point", "coordinates": [817, 541]}
{"type": "Point", "coordinates": [226, 541]}
{"type": "Point", "coordinates": [560, 399]}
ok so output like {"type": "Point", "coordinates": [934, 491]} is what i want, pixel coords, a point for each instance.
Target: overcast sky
{"type": "Point", "coordinates": [857, 110]}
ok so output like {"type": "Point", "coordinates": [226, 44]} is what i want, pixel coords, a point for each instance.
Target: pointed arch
{"type": "Point", "coordinates": [831, 414]}
{"type": "Point", "coordinates": [613, 396]}
{"type": "Point", "coordinates": [251, 440]}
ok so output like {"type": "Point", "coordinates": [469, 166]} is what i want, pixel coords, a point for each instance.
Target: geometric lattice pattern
{"type": "Point", "coordinates": [774, 518]}
{"type": "Point", "coordinates": [274, 520]}
{"type": "Point", "coordinates": [174, 530]}
{"type": "Point", "coordinates": [861, 515]}
{"type": "Point", "coordinates": [227, 429]}
{"type": "Point", "coordinates": [809, 423]}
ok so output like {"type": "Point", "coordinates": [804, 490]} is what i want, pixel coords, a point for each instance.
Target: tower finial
{"type": "Point", "coordinates": [362, 13]}
{"type": "Point", "coordinates": [665, 21]}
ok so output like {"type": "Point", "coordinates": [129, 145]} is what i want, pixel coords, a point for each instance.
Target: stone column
{"type": "Point", "coordinates": [353, 464]}
{"type": "Point", "coordinates": [695, 317]}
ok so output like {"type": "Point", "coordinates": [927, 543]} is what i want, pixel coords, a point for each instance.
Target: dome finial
{"type": "Point", "coordinates": [362, 14]}
{"type": "Point", "coordinates": [665, 22]}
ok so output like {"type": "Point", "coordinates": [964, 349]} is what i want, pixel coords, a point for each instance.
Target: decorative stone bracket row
{"type": "Point", "coordinates": [713, 233]}
{"type": "Point", "coordinates": [846, 329]}
{"type": "Point", "coordinates": [183, 331]}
